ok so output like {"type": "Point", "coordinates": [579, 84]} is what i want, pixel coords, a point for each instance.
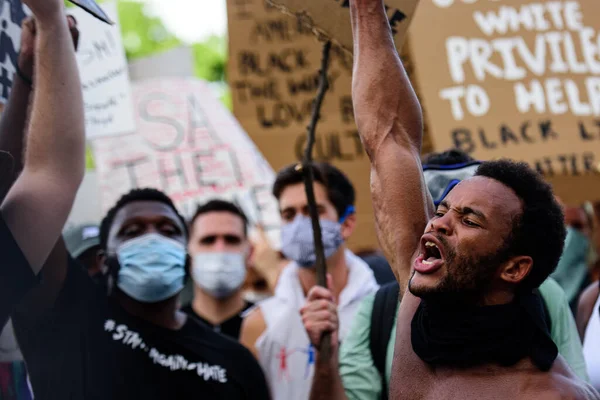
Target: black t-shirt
{"type": "Point", "coordinates": [88, 347]}
{"type": "Point", "coordinates": [16, 276]}
{"type": "Point", "coordinates": [230, 327]}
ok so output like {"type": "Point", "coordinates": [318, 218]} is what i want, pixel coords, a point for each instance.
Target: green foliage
{"type": "Point", "coordinates": [210, 59]}
{"type": "Point", "coordinates": [143, 34]}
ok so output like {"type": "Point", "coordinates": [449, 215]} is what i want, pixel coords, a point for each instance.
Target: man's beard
{"type": "Point", "coordinates": [467, 278]}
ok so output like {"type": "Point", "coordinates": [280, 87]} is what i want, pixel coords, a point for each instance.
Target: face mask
{"type": "Point", "coordinates": [219, 274]}
{"type": "Point", "coordinates": [152, 268]}
{"type": "Point", "coordinates": [297, 242]}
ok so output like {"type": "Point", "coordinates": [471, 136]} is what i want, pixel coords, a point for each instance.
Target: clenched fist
{"type": "Point", "coordinates": [319, 315]}
{"type": "Point", "coordinates": [28, 35]}
{"type": "Point", "coordinates": [45, 10]}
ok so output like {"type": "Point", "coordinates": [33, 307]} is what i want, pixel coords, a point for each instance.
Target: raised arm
{"type": "Point", "coordinates": [390, 122]}
{"type": "Point", "coordinates": [14, 118]}
{"type": "Point", "coordinates": [38, 204]}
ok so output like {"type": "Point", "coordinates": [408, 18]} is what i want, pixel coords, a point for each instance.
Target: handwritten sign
{"type": "Point", "coordinates": [512, 78]}
{"type": "Point", "coordinates": [274, 74]}
{"type": "Point", "coordinates": [12, 14]}
{"type": "Point", "coordinates": [331, 18]}
{"type": "Point", "coordinates": [188, 145]}
{"type": "Point", "coordinates": [104, 75]}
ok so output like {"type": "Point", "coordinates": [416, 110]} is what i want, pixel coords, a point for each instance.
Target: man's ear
{"type": "Point", "coordinates": [101, 260]}
{"type": "Point", "coordinates": [249, 254]}
{"type": "Point", "coordinates": [516, 269]}
{"type": "Point", "coordinates": [348, 226]}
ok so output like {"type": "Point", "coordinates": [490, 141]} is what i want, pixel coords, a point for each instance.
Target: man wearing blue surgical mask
{"type": "Point", "coordinates": [80, 342]}
{"type": "Point", "coordinates": [220, 250]}
{"type": "Point", "coordinates": [274, 331]}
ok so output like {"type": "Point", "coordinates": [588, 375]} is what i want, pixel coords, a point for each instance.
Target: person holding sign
{"type": "Point", "coordinates": [469, 325]}
{"type": "Point", "coordinates": [35, 208]}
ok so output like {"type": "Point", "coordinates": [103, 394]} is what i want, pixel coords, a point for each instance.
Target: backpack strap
{"type": "Point", "coordinates": [544, 309]}
{"type": "Point", "coordinates": [385, 307]}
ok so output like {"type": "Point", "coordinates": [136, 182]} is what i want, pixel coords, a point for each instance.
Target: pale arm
{"type": "Point", "coordinates": [39, 202]}
{"type": "Point", "coordinates": [253, 326]}
{"type": "Point", "coordinates": [390, 122]}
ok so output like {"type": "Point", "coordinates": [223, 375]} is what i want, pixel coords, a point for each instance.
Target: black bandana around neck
{"type": "Point", "coordinates": [467, 337]}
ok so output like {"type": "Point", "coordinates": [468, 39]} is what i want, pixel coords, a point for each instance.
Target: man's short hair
{"type": "Point", "coordinates": [539, 232]}
{"type": "Point", "coordinates": [134, 195]}
{"type": "Point", "coordinates": [340, 191]}
{"type": "Point", "coordinates": [218, 205]}
{"type": "Point", "coordinates": [448, 157]}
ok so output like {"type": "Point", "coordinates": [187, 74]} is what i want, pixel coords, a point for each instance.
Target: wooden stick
{"type": "Point", "coordinates": [308, 177]}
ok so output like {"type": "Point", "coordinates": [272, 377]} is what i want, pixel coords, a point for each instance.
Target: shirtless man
{"type": "Point", "coordinates": [469, 326]}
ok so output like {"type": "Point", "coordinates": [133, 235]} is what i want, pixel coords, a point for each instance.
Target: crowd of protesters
{"type": "Point", "coordinates": [486, 286]}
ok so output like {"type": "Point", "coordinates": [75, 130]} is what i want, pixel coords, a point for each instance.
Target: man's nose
{"type": "Point", "coordinates": [220, 244]}
{"type": "Point", "coordinates": [443, 224]}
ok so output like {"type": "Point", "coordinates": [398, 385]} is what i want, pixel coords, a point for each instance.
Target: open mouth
{"type": "Point", "coordinates": [431, 253]}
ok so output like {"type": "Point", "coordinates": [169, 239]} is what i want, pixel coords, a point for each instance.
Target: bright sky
{"type": "Point", "coordinates": [192, 20]}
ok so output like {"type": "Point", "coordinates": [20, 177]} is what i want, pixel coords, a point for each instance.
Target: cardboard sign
{"type": "Point", "coordinates": [12, 14]}
{"type": "Point", "coordinates": [104, 75]}
{"type": "Point", "coordinates": [189, 146]}
{"type": "Point", "coordinates": [93, 9]}
{"type": "Point", "coordinates": [274, 74]}
{"type": "Point", "coordinates": [331, 18]}
{"type": "Point", "coordinates": [517, 79]}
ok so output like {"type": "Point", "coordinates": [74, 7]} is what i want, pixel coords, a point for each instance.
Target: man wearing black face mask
{"type": "Point", "coordinates": [81, 343]}
{"type": "Point", "coordinates": [274, 331]}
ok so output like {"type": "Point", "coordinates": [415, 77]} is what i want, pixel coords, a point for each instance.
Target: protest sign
{"type": "Point", "coordinates": [330, 19]}
{"type": "Point", "coordinates": [189, 146]}
{"type": "Point", "coordinates": [104, 75]}
{"type": "Point", "coordinates": [12, 14]}
{"type": "Point", "coordinates": [514, 79]}
{"type": "Point", "coordinates": [274, 74]}
{"type": "Point", "coordinates": [93, 9]}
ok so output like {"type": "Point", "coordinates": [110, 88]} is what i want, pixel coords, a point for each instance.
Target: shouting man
{"type": "Point", "coordinates": [469, 326]}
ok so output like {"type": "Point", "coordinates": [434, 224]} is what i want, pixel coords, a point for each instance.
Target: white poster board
{"type": "Point", "coordinates": [188, 145]}
{"type": "Point", "coordinates": [104, 74]}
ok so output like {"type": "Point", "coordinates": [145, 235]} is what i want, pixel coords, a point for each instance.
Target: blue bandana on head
{"type": "Point", "coordinates": [441, 179]}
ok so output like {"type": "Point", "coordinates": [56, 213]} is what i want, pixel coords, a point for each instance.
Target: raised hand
{"type": "Point", "coordinates": [28, 36]}
{"type": "Point", "coordinates": [45, 10]}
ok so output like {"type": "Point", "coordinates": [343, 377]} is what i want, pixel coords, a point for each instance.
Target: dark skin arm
{"type": "Point", "coordinates": [390, 123]}
{"type": "Point", "coordinates": [13, 124]}
{"type": "Point", "coordinates": [14, 134]}
{"type": "Point", "coordinates": [14, 117]}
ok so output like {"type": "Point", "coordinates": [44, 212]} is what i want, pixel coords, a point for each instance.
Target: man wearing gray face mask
{"type": "Point", "coordinates": [220, 251]}
{"type": "Point", "coordinates": [274, 331]}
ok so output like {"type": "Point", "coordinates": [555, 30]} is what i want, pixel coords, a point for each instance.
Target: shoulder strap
{"type": "Point", "coordinates": [545, 310]}
{"type": "Point", "coordinates": [385, 307]}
